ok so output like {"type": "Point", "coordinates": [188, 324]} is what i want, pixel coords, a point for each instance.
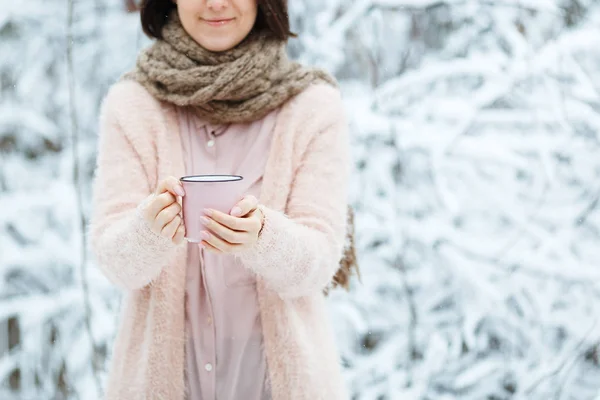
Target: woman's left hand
{"type": "Point", "coordinates": [234, 232]}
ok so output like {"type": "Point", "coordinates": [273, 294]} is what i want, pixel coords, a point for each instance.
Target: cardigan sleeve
{"type": "Point", "coordinates": [299, 251]}
{"type": "Point", "coordinates": [125, 248]}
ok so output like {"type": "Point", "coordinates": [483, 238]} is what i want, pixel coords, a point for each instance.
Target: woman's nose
{"type": "Point", "coordinates": [217, 5]}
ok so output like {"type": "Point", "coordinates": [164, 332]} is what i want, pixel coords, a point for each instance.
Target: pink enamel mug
{"type": "Point", "coordinates": [219, 192]}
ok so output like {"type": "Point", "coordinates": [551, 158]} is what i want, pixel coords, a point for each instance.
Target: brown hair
{"type": "Point", "coordinates": [349, 263]}
{"type": "Point", "coordinates": [272, 17]}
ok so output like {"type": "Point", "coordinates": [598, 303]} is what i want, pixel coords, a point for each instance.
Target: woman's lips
{"type": "Point", "coordinates": [218, 22]}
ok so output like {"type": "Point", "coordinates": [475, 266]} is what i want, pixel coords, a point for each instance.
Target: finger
{"type": "Point", "coordinates": [259, 218]}
{"type": "Point", "coordinates": [225, 233]}
{"type": "Point", "coordinates": [179, 235]}
{"type": "Point", "coordinates": [245, 206]}
{"type": "Point", "coordinates": [172, 185]}
{"type": "Point", "coordinates": [159, 203]}
{"type": "Point", "coordinates": [166, 216]}
{"type": "Point", "coordinates": [171, 228]}
{"type": "Point", "coordinates": [233, 223]}
{"type": "Point", "coordinates": [218, 243]}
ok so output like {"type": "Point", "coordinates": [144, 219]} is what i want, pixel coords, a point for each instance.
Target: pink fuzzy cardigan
{"type": "Point", "coordinates": [304, 194]}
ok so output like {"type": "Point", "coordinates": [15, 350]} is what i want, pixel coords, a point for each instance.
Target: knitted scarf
{"type": "Point", "coordinates": [240, 85]}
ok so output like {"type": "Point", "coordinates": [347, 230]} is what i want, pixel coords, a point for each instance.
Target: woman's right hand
{"type": "Point", "coordinates": [162, 212]}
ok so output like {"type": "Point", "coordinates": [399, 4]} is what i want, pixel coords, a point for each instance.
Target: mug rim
{"type": "Point", "coordinates": [188, 178]}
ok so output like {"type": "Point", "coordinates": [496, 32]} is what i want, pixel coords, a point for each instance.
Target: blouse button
{"type": "Point", "coordinates": [211, 141]}
{"type": "Point", "coordinates": [208, 367]}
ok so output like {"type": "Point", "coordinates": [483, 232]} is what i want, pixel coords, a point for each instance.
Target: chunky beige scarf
{"type": "Point", "coordinates": [236, 86]}
{"type": "Point", "coordinates": [240, 85]}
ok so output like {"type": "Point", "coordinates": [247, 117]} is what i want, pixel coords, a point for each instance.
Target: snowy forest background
{"type": "Point", "coordinates": [475, 129]}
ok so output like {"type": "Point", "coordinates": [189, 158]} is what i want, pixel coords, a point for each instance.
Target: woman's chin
{"type": "Point", "coordinates": [217, 45]}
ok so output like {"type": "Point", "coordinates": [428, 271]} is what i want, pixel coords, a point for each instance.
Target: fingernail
{"type": "Point", "coordinates": [179, 190]}
{"type": "Point", "coordinates": [204, 220]}
{"type": "Point", "coordinates": [208, 211]}
{"type": "Point", "coordinates": [236, 211]}
{"type": "Point", "coordinates": [205, 235]}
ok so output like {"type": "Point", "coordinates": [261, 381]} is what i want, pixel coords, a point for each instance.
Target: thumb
{"type": "Point", "coordinates": [172, 185]}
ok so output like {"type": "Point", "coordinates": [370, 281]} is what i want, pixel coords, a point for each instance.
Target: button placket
{"type": "Point", "coordinates": [209, 332]}
{"type": "Point", "coordinates": [210, 360]}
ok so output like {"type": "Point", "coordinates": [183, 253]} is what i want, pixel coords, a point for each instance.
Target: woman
{"type": "Point", "coordinates": [242, 314]}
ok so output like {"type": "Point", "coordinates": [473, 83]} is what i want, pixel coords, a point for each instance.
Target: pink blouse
{"type": "Point", "coordinates": [224, 346]}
